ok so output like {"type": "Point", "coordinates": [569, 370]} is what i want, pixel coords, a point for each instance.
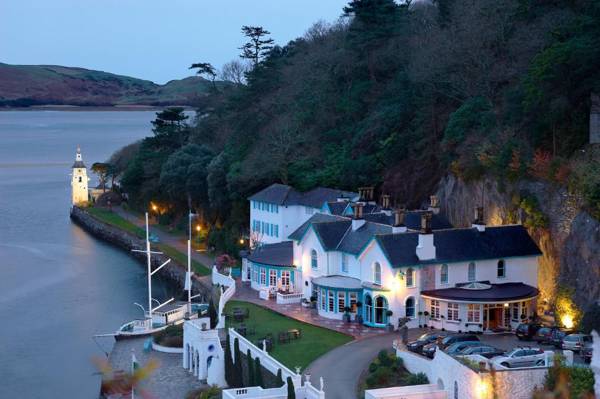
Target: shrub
{"type": "Point", "coordinates": [591, 319]}
{"type": "Point", "coordinates": [415, 379]}
{"type": "Point", "coordinates": [381, 377]}
{"type": "Point", "coordinates": [372, 367]}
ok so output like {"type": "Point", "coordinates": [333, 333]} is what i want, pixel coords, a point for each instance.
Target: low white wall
{"type": "Point", "coordinates": [165, 349]}
{"type": "Point", "coordinates": [285, 299]}
{"type": "Point", "coordinates": [256, 392]}
{"type": "Point", "coordinates": [266, 360]}
{"type": "Point", "coordinates": [427, 391]}
{"type": "Point", "coordinates": [225, 281]}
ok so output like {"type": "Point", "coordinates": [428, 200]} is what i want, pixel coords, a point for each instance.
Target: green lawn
{"type": "Point", "coordinates": [114, 219]}
{"type": "Point", "coordinates": [315, 341]}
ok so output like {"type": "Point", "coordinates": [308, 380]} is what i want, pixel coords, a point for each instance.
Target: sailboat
{"type": "Point", "coordinates": [163, 314]}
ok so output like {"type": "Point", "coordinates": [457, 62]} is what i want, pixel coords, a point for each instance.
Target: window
{"type": "Point", "coordinates": [314, 263]}
{"type": "Point", "coordinates": [377, 273]}
{"type": "Point", "coordinates": [80, 179]}
{"type": "Point", "coordinates": [273, 278]}
{"type": "Point", "coordinates": [255, 273]}
{"type": "Point", "coordinates": [308, 210]}
{"type": "Point", "coordinates": [276, 230]}
{"type": "Point", "coordinates": [276, 208]}
{"type": "Point", "coordinates": [380, 310]}
{"type": "Point", "coordinates": [473, 313]}
{"type": "Point", "coordinates": [331, 302]}
{"type": "Point", "coordinates": [253, 204]}
{"type": "Point", "coordinates": [472, 275]}
{"type": "Point", "coordinates": [344, 263]}
{"type": "Point", "coordinates": [353, 299]}
{"type": "Point", "coordinates": [452, 311]}
{"type": "Point", "coordinates": [323, 299]}
{"type": "Point", "coordinates": [341, 301]}
{"type": "Point", "coordinates": [368, 309]}
{"type": "Point", "coordinates": [515, 311]}
{"type": "Point", "coordinates": [410, 277]}
{"type": "Point", "coordinates": [285, 279]}
{"type": "Point", "coordinates": [435, 309]}
{"type": "Point", "coordinates": [410, 306]}
{"type": "Point", "coordinates": [444, 274]}
{"type": "Point", "coordinates": [501, 272]}
{"type": "Point", "coordinates": [263, 276]}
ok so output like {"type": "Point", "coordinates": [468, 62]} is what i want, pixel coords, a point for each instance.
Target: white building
{"type": "Point", "coordinates": [79, 181]}
{"type": "Point", "coordinates": [381, 266]}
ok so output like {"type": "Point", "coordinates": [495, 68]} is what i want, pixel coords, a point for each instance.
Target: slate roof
{"type": "Point", "coordinates": [346, 282]}
{"type": "Point", "coordinates": [282, 194]}
{"type": "Point", "coordinates": [337, 207]}
{"type": "Point", "coordinates": [412, 220]}
{"type": "Point", "coordinates": [278, 254]}
{"type": "Point", "coordinates": [496, 293]}
{"type": "Point", "coordinates": [78, 165]}
{"type": "Point", "coordinates": [459, 245]}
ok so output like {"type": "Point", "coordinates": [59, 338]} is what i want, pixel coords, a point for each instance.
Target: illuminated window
{"type": "Point", "coordinates": [330, 301]}
{"type": "Point", "coordinates": [473, 313]}
{"type": "Point", "coordinates": [263, 276]}
{"type": "Point", "coordinates": [435, 309]}
{"type": "Point", "coordinates": [273, 278]}
{"type": "Point", "coordinates": [353, 299]}
{"type": "Point", "coordinates": [314, 262]}
{"type": "Point", "coordinates": [377, 273]}
{"type": "Point", "coordinates": [341, 301]}
{"type": "Point", "coordinates": [452, 311]}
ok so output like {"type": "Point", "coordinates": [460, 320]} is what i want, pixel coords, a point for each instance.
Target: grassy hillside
{"type": "Point", "coordinates": [24, 85]}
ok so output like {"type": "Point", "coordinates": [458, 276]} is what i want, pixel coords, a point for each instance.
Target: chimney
{"type": "Point", "coordinates": [478, 223]}
{"type": "Point", "coordinates": [434, 204]}
{"type": "Point", "coordinates": [425, 247]}
{"type": "Point", "coordinates": [385, 201]}
{"type": "Point", "coordinates": [399, 226]}
{"type": "Point", "coordinates": [357, 219]}
{"type": "Point", "coordinates": [366, 194]}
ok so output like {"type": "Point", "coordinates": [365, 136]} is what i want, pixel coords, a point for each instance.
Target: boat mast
{"type": "Point", "coordinates": [149, 262]}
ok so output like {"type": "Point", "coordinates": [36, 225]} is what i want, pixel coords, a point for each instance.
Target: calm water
{"type": "Point", "coordinates": [58, 285]}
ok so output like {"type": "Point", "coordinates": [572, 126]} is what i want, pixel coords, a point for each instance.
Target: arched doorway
{"type": "Point", "coordinates": [380, 310]}
{"type": "Point", "coordinates": [368, 309]}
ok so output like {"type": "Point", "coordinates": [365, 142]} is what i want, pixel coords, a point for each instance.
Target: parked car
{"type": "Point", "coordinates": [522, 357]}
{"type": "Point", "coordinates": [429, 349]}
{"type": "Point", "coordinates": [483, 350]}
{"type": "Point", "coordinates": [587, 351]}
{"type": "Point", "coordinates": [427, 338]}
{"type": "Point", "coordinates": [526, 331]}
{"type": "Point", "coordinates": [551, 335]}
{"type": "Point", "coordinates": [576, 342]}
{"type": "Point", "coordinates": [457, 347]}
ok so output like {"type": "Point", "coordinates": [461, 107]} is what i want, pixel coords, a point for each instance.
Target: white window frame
{"type": "Point", "coordinates": [286, 278]}
{"type": "Point", "coordinates": [353, 300]}
{"type": "Point", "coordinates": [435, 309]}
{"type": "Point", "coordinates": [410, 277]}
{"type": "Point", "coordinates": [344, 263]}
{"type": "Point", "coordinates": [377, 273]}
{"type": "Point", "coordinates": [444, 274]}
{"type": "Point", "coordinates": [323, 299]}
{"type": "Point", "coordinates": [263, 276]}
{"type": "Point", "coordinates": [341, 301]}
{"type": "Point", "coordinates": [272, 278]}
{"type": "Point", "coordinates": [452, 312]}
{"type": "Point", "coordinates": [473, 313]}
{"type": "Point", "coordinates": [314, 259]}
{"type": "Point", "coordinates": [330, 301]}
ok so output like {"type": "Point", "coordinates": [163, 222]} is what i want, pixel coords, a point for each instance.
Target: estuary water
{"type": "Point", "coordinates": [58, 285]}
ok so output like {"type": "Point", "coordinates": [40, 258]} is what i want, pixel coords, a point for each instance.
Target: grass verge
{"type": "Point", "coordinates": [315, 341]}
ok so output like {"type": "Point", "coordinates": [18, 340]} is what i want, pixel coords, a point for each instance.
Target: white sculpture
{"type": "Point", "coordinates": [595, 364]}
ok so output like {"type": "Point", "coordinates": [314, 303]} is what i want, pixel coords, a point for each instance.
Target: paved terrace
{"type": "Point", "coordinates": [169, 380]}
{"type": "Point", "coordinates": [243, 292]}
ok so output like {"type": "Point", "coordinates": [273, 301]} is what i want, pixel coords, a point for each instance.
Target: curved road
{"type": "Point", "coordinates": [341, 368]}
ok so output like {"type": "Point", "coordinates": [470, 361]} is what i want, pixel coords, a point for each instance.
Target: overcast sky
{"type": "Point", "coordinates": [150, 39]}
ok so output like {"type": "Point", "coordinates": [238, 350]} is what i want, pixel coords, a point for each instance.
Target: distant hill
{"type": "Point", "coordinates": [28, 85]}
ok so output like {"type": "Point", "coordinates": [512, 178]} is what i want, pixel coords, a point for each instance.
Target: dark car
{"type": "Point", "coordinates": [425, 339]}
{"type": "Point", "coordinates": [558, 335]}
{"type": "Point", "coordinates": [526, 331]}
{"type": "Point", "coordinates": [429, 349]}
{"type": "Point", "coordinates": [587, 351]}
{"type": "Point", "coordinates": [484, 350]}
{"type": "Point", "coordinates": [452, 339]}
{"type": "Point", "coordinates": [458, 347]}
{"type": "Point", "coordinates": [551, 335]}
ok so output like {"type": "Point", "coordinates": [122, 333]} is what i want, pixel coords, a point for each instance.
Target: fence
{"type": "Point", "coordinates": [285, 299]}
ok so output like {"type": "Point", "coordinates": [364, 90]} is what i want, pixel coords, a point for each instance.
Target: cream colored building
{"type": "Point", "coordinates": [79, 181]}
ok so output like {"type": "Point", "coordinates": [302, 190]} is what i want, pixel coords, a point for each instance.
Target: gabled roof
{"type": "Point", "coordinates": [337, 207]}
{"type": "Point", "coordinates": [278, 254]}
{"type": "Point", "coordinates": [355, 241]}
{"type": "Point", "coordinates": [282, 194]}
{"type": "Point", "coordinates": [412, 220]}
{"type": "Point", "coordinates": [460, 245]}
{"type": "Point", "coordinates": [317, 218]}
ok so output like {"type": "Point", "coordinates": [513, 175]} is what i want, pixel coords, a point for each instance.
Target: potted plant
{"type": "Point", "coordinates": [306, 303]}
{"type": "Point", "coordinates": [390, 326]}
{"type": "Point", "coordinates": [346, 316]}
{"type": "Point", "coordinates": [426, 314]}
{"type": "Point", "coordinates": [442, 317]}
{"type": "Point", "coordinates": [359, 318]}
{"type": "Point", "coordinates": [313, 302]}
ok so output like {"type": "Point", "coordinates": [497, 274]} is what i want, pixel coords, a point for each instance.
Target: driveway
{"type": "Point", "coordinates": [341, 368]}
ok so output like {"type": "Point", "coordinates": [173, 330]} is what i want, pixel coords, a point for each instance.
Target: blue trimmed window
{"type": "Point", "coordinates": [444, 274]}
{"type": "Point", "coordinates": [377, 273]}
{"type": "Point", "coordinates": [314, 262]}
{"type": "Point", "coordinates": [344, 263]}
{"type": "Point", "coordinates": [472, 273]}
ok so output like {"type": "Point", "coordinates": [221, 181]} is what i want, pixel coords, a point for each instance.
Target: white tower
{"type": "Point", "coordinates": [79, 180]}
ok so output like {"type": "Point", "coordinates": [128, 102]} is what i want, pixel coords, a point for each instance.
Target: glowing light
{"type": "Point", "coordinates": [506, 305]}
{"type": "Point", "coordinates": [198, 228]}
{"type": "Point", "coordinates": [242, 241]}
{"type": "Point", "coordinates": [482, 388]}
{"type": "Point", "coordinates": [154, 207]}
{"type": "Point", "coordinates": [567, 320]}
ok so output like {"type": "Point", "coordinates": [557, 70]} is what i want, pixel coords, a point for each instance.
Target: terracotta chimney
{"type": "Point", "coordinates": [434, 204]}
{"type": "Point", "coordinates": [385, 201]}
{"type": "Point", "coordinates": [399, 226]}
{"type": "Point", "coordinates": [357, 219]}
{"type": "Point", "coordinates": [426, 248]}
{"type": "Point", "coordinates": [478, 223]}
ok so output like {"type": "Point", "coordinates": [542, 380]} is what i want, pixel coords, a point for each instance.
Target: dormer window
{"type": "Point", "coordinates": [501, 270]}
{"type": "Point", "coordinates": [444, 274]}
{"type": "Point", "coordinates": [410, 277]}
{"type": "Point", "coordinates": [472, 273]}
{"type": "Point", "coordinates": [314, 262]}
{"type": "Point", "coordinates": [377, 273]}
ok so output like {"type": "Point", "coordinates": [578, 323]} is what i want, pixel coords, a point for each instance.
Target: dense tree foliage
{"type": "Point", "coordinates": [394, 95]}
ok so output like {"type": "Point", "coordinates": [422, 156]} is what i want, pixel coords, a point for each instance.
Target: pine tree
{"type": "Point", "coordinates": [279, 382]}
{"type": "Point", "coordinates": [290, 389]}
{"type": "Point", "coordinates": [250, 365]}
{"type": "Point", "coordinates": [213, 314]}
{"type": "Point", "coordinates": [258, 372]}
{"type": "Point", "coordinates": [258, 46]}
{"type": "Point", "coordinates": [228, 363]}
{"type": "Point", "coordinates": [237, 369]}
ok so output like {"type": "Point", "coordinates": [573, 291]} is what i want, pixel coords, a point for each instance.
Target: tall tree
{"type": "Point", "coordinates": [206, 69]}
{"type": "Point", "coordinates": [279, 381]}
{"type": "Point", "coordinates": [258, 375]}
{"type": "Point", "coordinates": [102, 170]}
{"type": "Point", "coordinates": [250, 366]}
{"type": "Point", "coordinates": [228, 362]}
{"type": "Point", "coordinates": [259, 44]}
{"type": "Point", "coordinates": [235, 72]}
{"type": "Point", "coordinates": [291, 391]}
{"type": "Point", "coordinates": [237, 370]}
{"type": "Point", "coordinates": [213, 314]}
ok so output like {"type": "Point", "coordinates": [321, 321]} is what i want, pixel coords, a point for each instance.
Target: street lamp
{"type": "Point", "coordinates": [198, 228]}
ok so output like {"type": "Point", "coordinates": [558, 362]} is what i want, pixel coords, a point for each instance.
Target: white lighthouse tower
{"type": "Point", "coordinates": [79, 181]}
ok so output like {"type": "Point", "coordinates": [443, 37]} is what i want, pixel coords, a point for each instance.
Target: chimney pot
{"type": "Point", "coordinates": [426, 222]}
{"type": "Point", "coordinates": [478, 223]}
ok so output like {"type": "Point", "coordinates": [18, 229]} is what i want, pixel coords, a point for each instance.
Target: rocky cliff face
{"type": "Point", "coordinates": [569, 239]}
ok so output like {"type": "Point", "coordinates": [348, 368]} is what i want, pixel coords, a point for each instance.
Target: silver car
{"type": "Point", "coordinates": [576, 342]}
{"type": "Point", "coordinates": [522, 357]}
